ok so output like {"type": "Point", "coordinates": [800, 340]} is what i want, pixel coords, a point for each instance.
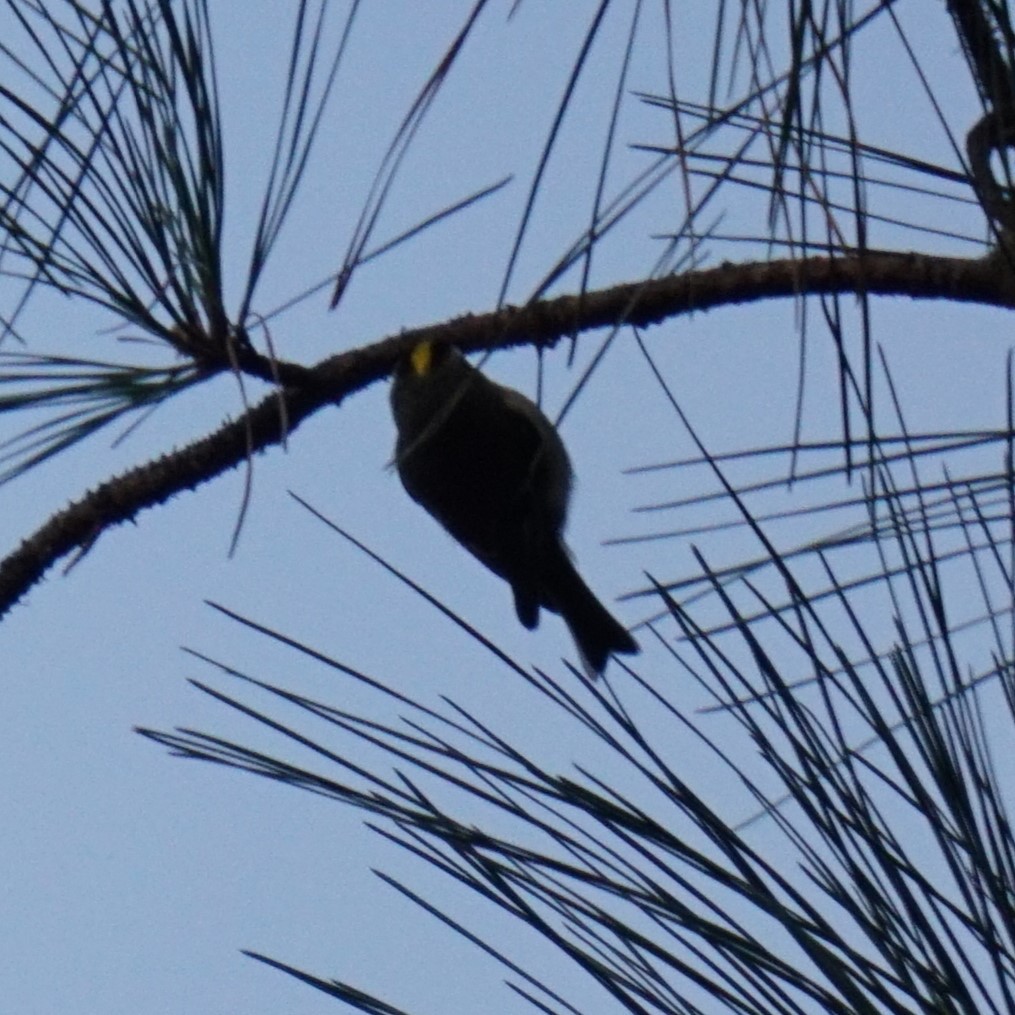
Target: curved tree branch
{"type": "Point", "coordinates": [993, 132]}
{"type": "Point", "coordinates": [120, 499]}
{"type": "Point", "coordinates": [980, 40]}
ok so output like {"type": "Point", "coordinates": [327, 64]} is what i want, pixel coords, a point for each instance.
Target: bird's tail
{"type": "Point", "coordinates": [597, 633]}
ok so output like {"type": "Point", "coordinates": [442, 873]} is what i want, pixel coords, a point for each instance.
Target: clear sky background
{"type": "Point", "coordinates": [131, 879]}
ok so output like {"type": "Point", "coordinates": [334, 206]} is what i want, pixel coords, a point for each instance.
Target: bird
{"type": "Point", "coordinates": [491, 468]}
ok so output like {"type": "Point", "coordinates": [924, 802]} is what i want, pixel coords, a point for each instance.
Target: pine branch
{"type": "Point", "coordinates": [122, 498]}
